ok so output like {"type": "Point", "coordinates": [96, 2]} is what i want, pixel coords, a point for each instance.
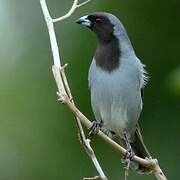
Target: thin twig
{"type": "Point", "coordinates": [152, 164]}
{"type": "Point", "coordinates": [72, 10]}
{"type": "Point", "coordinates": [83, 3]}
{"type": "Point", "coordinates": [126, 171]}
{"type": "Point", "coordinates": [92, 178]}
{"type": "Point", "coordinates": [53, 41]}
{"type": "Point", "coordinates": [62, 83]}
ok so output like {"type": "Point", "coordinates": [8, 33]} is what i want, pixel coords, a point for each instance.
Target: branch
{"type": "Point", "coordinates": [152, 164]}
{"type": "Point", "coordinates": [65, 97]}
{"type": "Point", "coordinates": [72, 10]}
{"type": "Point", "coordinates": [61, 80]}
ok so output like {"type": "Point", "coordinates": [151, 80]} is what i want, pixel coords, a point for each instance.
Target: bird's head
{"type": "Point", "coordinates": [103, 24]}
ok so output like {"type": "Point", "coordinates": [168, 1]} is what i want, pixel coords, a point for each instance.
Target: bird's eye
{"type": "Point", "coordinates": [98, 20]}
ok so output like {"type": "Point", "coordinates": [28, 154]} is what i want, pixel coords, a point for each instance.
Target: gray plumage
{"type": "Point", "coordinates": [116, 78]}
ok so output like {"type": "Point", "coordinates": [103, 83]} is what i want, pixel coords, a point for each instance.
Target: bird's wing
{"type": "Point", "coordinates": [139, 138]}
{"type": "Point", "coordinates": [142, 92]}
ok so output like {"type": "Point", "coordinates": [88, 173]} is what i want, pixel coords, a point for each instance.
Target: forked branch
{"type": "Point", "coordinates": [72, 10]}
{"type": "Point", "coordinates": [65, 97]}
{"type": "Point", "coordinates": [61, 80]}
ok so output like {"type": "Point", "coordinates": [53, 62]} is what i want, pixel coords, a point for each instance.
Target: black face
{"type": "Point", "coordinates": [107, 55]}
{"type": "Point", "coordinates": [102, 26]}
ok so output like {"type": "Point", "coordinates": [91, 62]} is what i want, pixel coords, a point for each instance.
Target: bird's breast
{"type": "Point", "coordinates": [114, 98]}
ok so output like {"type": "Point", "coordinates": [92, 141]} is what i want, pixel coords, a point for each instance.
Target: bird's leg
{"type": "Point", "coordinates": [129, 155]}
{"type": "Point", "coordinates": [95, 127]}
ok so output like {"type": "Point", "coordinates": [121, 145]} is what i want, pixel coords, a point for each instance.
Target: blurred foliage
{"type": "Point", "coordinates": [173, 82]}
{"type": "Point", "coordinates": [38, 137]}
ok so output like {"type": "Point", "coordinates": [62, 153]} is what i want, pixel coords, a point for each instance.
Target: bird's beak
{"type": "Point", "coordinates": [84, 21]}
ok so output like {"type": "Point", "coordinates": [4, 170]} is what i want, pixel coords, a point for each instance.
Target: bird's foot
{"type": "Point", "coordinates": [126, 160]}
{"type": "Point", "coordinates": [128, 156]}
{"type": "Point", "coordinates": [97, 126]}
{"type": "Point", "coordinates": [94, 129]}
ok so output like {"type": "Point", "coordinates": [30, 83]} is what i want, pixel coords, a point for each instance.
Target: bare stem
{"type": "Point", "coordinates": [61, 80]}
{"type": "Point", "coordinates": [152, 164]}
{"type": "Point", "coordinates": [72, 10]}
{"type": "Point", "coordinates": [83, 3]}
{"type": "Point", "coordinates": [92, 178]}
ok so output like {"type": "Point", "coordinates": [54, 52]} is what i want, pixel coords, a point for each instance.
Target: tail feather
{"type": "Point", "coordinates": [140, 150]}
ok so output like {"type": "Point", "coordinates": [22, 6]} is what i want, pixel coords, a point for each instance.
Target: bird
{"type": "Point", "coordinates": [117, 79]}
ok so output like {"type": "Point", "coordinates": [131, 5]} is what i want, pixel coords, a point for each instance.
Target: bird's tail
{"type": "Point", "coordinates": [140, 150]}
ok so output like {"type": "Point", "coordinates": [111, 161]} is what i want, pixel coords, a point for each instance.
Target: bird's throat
{"type": "Point", "coordinates": [108, 54]}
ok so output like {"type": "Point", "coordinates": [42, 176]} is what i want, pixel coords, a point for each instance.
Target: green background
{"type": "Point", "coordinates": [38, 137]}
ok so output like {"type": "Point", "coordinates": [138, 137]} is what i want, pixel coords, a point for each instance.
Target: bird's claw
{"type": "Point", "coordinates": [129, 155]}
{"type": "Point", "coordinates": [94, 129]}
